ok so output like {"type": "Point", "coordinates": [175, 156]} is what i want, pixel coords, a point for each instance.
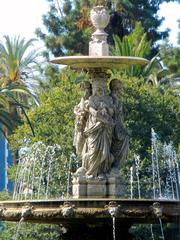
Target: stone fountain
{"type": "Point", "coordinates": [101, 142]}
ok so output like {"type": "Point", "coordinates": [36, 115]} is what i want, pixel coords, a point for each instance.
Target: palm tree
{"type": "Point", "coordinates": [155, 72]}
{"type": "Point", "coordinates": [8, 103]}
{"type": "Point", "coordinates": [17, 62]}
{"type": "Point", "coordinates": [18, 65]}
{"type": "Point", "coordinates": [5, 117]}
{"type": "Point", "coordinates": [135, 44]}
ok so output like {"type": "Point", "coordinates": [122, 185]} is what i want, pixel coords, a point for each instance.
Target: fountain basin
{"type": "Point", "coordinates": [93, 210]}
{"type": "Point", "coordinates": [106, 62]}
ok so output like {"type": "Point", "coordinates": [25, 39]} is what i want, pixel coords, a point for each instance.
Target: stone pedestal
{"type": "Point", "coordinates": [84, 187]}
{"type": "Point", "coordinates": [98, 49]}
{"type": "Point", "coordinates": [114, 188]}
{"type": "Point", "coordinates": [79, 188]}
{"type": "Point", "coordinates": [96, 188]}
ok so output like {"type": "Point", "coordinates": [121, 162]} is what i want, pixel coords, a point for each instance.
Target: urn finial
{"type": "Point", "coordinates": [100, 19]}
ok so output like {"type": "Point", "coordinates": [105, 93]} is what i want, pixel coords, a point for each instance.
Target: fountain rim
{"type": "Point", "coordinates": [92, 200]}
{"type": "Point", "coordinates": [77, 210]}
{"type": "Point", "coordinates": [94, 62]}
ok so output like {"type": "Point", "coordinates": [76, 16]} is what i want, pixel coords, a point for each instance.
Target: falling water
{"type": "Point", "coordinates": [164, 160]}
{"type": "Point", "coordinates": [114, 228]}
{"type": "Point", "coordinates": [31, 186]}
{"type": "Point", "coordinates": [18, 227]}
{"type": "Point", "coordinates": [48, 175]}
{"type": "Point", "coordinates": [162, 231]}
{"type": "Point", "coordinates": [69, 175]}
{"type": "Point", "coordinates": [16, 177]}
{"type": "Point", "coordinates": [177, 170]}
{"type": "Point", "coordinates": [174, 170]}
{"type": "Point", "coordinates": [137, 163]}
{"type": "Point", "coordinates": [155, 164]}
{"type": "Point", "coordinates": [177, 166]}
{"type": "Point", "coordinates": [171, 176]}
{"type": "Point", "coordinates": [165, 173]}
{"type": "Point", "coordinates": [131, 181]}
{"type": "Point", "coordinates": [152, 234]}
{"type": "Point", "coordinates": [41, 174]}
{"type": "Point", "coordinates": [153, 170]}
{"type": "Point", "coordinates": [37, 170]}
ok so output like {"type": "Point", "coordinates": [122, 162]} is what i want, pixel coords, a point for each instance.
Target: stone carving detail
{"type": "Point", "coordinates": [113, 209]}
{"type": "Point", "coordinates": [26, 211]}
{"type": "Point", "coordinates": [120, 140]}
{"type": "Point", "coordinates": [100, 19]}
{"type": "Point", "coordinates": [67, 209]}
{"type": "Point", "coordinates": [81, 118]}
{"type": "Point", "coordinates": [101, 140]}
{"type": "Point", "coordinates": [157, 209]}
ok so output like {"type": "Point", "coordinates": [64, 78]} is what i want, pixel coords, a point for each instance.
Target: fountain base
{"type": "Point", "coordinates": [84, 187]}
{"type": "Point", "coordinates": [92, 218]}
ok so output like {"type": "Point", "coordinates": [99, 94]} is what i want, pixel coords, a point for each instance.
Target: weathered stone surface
{"type": "Point", "coordinates": [90, 210]}
{"type": "Point", "coordinates": [98, 49]}
{"type": "Point", "coordinates": [96, 188]}
{"type": "Point", "coordinates": [93, 62]}
{"type": "Point", "coordinates": [100, 19]}
{"type": "Point", "coordinates": [114, 187]}
{"type": "Point", "coordinates": [79, 187]}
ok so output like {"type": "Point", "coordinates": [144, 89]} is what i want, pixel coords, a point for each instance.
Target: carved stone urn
{"type": "Point", "coordinates": [99, 17]}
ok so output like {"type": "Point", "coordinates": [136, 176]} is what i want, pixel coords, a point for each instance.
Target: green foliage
{"type": "Point", "coordinates": [145, 108]}
{"type": "Point", "coordinates": [11, 108]}
{"type": "Point", "coordinates": [53, 119]}
{"type": "Point", "coordinates": [170, 56]}
{"type": "Point", "coordinates": [4, 196]}
{"type": "Point", "coordinates": [16, 63]}
{"type": "Point", "coordinates": [135, 44]}
{"type": "Point", "coordinates": [65, 37]}
{"type": "Point", "coordinates": [29, 231]}
{"type": "Point", "coordinates": [5, 116]}
{"type": "Point", "coordinates": [69, 26]}
{"type": "Point", "coordinates": [163, 69]}
{"type": "Point", "coordinates": [17, 66]}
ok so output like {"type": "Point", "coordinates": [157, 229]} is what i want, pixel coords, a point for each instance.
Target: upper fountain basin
{"type": "Point", "coordinates": [109, 62]}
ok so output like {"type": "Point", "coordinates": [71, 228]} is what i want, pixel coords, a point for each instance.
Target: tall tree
{"type": "Point", "coordinates": [135, 44]}
{"type": "Point", "coordinates": [17, 60]}
{"type": "Point", "coordinates": [5, 117]}
{"type": "Point", "coordinates": [69, 27]}
{"type": "Point", "coordinates": [17, 66]}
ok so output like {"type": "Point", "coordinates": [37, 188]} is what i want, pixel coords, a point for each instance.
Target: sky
{"type": "Point", "coordinates": [171, 12]}
{"type": "Point", "coordinates": [22, 17]}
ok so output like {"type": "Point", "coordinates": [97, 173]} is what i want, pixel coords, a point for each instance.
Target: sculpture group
{"type": "Point", "coordinates": [101, 140]}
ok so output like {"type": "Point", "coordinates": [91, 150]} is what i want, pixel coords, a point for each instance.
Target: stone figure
{"type": "Point", "coordinates": [94, 128]}
{"type": "Point", "coordinates": [101, 140]}
{"type": "Point", "coordinates": [81, 118]}
{"type": "Point", "coordinates": [120, 140]}
{"type": "Point", "coordinates": [98, 131]}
